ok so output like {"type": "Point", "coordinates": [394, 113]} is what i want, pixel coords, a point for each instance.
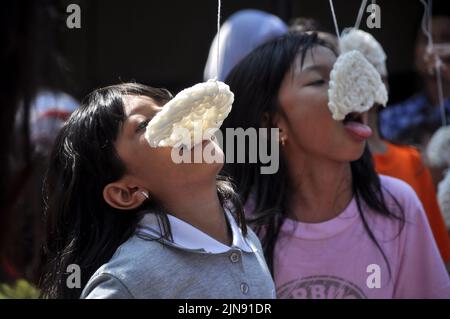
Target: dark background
{"type": "Point", "coordinates": [166, 43]}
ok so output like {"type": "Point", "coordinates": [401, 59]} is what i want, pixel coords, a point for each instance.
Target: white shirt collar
{"type": "Point", "coordinates": [188, 237]}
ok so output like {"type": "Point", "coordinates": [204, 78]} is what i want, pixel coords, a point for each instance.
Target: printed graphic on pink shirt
{"type": "Point", "coordinates": [320, 287]}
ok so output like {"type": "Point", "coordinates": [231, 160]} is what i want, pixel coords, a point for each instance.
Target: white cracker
{"type": "Point", "coordinates": [438, 149]}
{"type": "Point", "coordinates": [355, 85]}
{"type": "Point", "coordinates": [444, 198]}
{"type": "Point", "coordinates": [364, 42]}
{"type": "Point", "coordinates": [203, 106]}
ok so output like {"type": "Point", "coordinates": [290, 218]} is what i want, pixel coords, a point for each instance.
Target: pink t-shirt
{"type": "Point", "coordinates": [336, 259]}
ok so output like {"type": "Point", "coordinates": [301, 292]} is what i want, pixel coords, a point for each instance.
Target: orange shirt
{"type": "Point", "coordinates": [405, 163]}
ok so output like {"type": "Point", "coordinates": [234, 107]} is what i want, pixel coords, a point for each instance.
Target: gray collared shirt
{"type": "Point", "coordinates": [146, 266]}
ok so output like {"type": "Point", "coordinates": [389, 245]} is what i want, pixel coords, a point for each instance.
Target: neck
{"type": "Point", "coordinates": [199, 205]}
{"type": "Point", "coordinates": [321, 189]}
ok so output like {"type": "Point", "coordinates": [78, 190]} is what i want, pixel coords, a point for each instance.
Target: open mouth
{"type": "Point", "coordinates": [353, 117]}
{"type": "Point", "coordinates": [355, 124]}
{"type": "Point", "coordinates": [183, 148]}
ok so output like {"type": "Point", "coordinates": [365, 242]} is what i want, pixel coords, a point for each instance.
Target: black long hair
{"type": "Point", "coordinates": [28, 36]}
{"type": "Point", "coordinates": [82, 228]}
{"type": "Point", "coordinates": [256, 81]}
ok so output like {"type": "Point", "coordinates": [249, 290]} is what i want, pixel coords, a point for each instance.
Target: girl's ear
{"type": "Point", "coordinates": [279, 120]}
{"type": "Point", "coordinates": [121, 196]}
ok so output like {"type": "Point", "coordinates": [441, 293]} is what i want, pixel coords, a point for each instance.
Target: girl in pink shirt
{"type": "Point", "coordinates": [329, 225]}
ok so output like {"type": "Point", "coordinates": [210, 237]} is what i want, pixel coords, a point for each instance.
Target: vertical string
{"type": "Point", "coordinates": [334, 19]}
{"type": "Point", "coordinates": [219, 4]}
{"type": "Point", "coordinates": [430, 13]}
{"type": "Point", "coordinates": [426, 28]}
{"type": "Point", "coordinates": [440, 93]}
{"type": "Point", "coordinates": [426, 23]}
{"type": "Point", "coordinates": [360, 14]}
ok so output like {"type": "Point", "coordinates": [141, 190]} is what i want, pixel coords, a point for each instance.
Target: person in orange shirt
{"type": "Point", "coordinates": [405, 163]}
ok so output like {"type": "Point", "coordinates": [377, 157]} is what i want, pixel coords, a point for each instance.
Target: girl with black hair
{"type": "Point", "coordinates": [133, 222]}
{"type": "Point", "coordinates": [329, 225]}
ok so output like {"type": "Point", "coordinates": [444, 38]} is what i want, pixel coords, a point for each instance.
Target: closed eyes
{"type": "Point", "coordinates": [142, 126]}
{"type": "Point", "coordinates": [318, 82]}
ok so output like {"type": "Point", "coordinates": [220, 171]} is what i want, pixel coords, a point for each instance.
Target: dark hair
{"type": "Point", "coordinates": [82, 228]}
{"type": "Point", "coordinates": [28, 40]}
{"type": "Point", "coordinates": [304, 24]}
{"type": "Point", "coordinates": [255, 82]}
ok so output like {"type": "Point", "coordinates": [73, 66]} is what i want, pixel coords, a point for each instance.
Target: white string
{"type": "Point", "coordinates": [426, 28]}
{"type": "Point", "coordinates": [334, 20]}
{"type": "Point", "coordinates": [360, 14]}
{"type": "Point", "coordinates": [426, 23]}
{"type": "Point", "coordinates": [219, 4]}
{"type": "Point", "coordinates": [440, 94]}
{"type": "Point", "coordinates": [429, 12]}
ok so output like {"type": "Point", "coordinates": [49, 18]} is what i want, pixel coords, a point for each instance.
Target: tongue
{"type": "Point", "coordinates": [359, 129]}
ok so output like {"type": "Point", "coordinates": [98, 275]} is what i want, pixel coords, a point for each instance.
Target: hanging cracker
{"type": "Point", "coordinates": [438, 149]}
{"type": "Point", "coordinates": [443, 197]}
{"type": "Point", "coordinates": [203, 106]}
{"type": "Point", "coordinates": [364, 42]}
{"type": "Point", "coordinates": [355, 85]}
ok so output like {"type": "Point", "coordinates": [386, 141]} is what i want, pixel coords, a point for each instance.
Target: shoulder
{"type": "Point", "coordinates": [103, 285]}
{"type": "Point", "coordinates": [407, 152]}
{"type": "Point", "coordinates": [132, 253]}
{"type": "Point", "coordinates": [407, 217]}
{"type": "Point", "coordinates": [399, 195]}
{"type": "Point", "coordinates": [398, 188]}
{"type": "Point", "coordinates": [253, 238]}
{"type": "Point", "coordinates": [128, 270]}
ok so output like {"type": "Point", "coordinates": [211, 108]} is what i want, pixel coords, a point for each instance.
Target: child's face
{"type": "Point", "coordinates": [152, 168]}
{"type": "Point", "coordinates": [307, 121]}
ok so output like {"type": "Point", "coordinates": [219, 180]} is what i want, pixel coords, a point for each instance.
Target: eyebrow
{"type": "Point", "coordinates": [142, 107]}
{"type": "Point", "coordinates": [129, 128]}
{"type": "Point", "coordinates": [147, 117]}
{"type": "Point", "coordinates": [315, 67]}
